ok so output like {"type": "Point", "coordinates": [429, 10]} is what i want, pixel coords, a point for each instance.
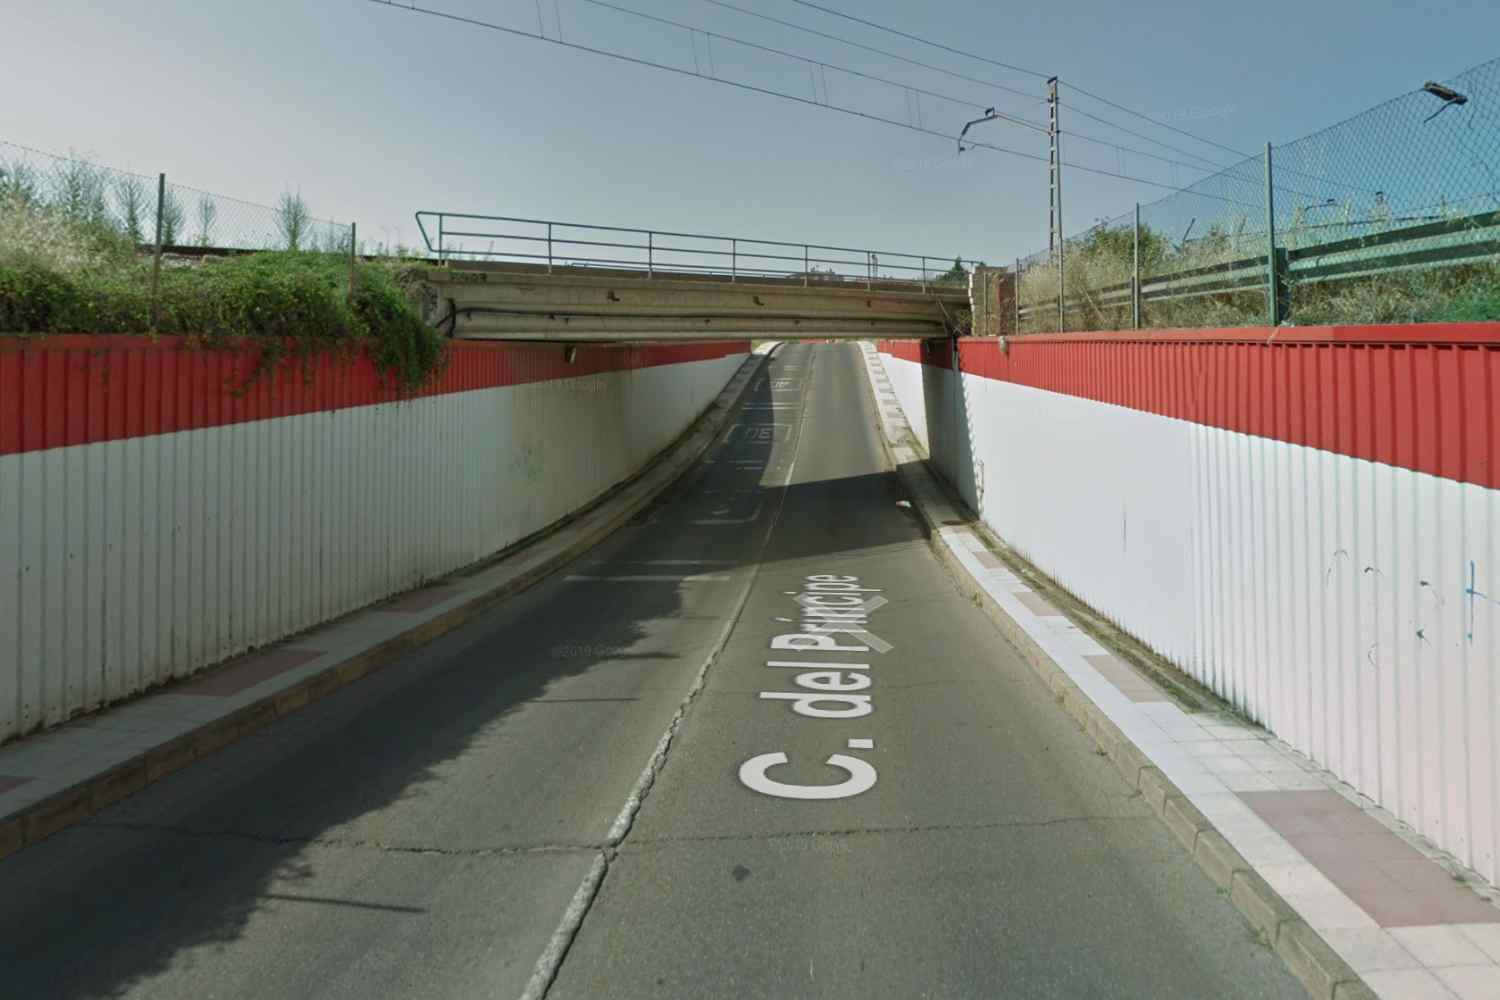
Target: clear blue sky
{"type": "Point", "coordinates": [373, 112]}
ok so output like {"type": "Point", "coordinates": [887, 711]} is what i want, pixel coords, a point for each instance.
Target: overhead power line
{"type": "Point", "coordinates": [766, 91]}
{"type": "Point", "coordinates": [924, 41]}
{"type": "Point", "coordinates": [1171, 128]}
{"type": "Point", "coordinates": [962, 101]}
{"type": "Point", "coordinates": [1212, 164]}
{"type": "Point", "coordinates": [1018, 69]}
{"type": "Point", "coordinates": [881, 52]}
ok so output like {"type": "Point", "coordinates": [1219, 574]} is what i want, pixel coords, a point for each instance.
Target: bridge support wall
{"type": "Point", "coordinates": [1305, 520]}
{"type": "Point", "coordinates": [158, 514]}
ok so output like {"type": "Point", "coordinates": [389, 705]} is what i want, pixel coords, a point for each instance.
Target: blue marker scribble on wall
{"type": "Point", "coordinates": [1475, 595]}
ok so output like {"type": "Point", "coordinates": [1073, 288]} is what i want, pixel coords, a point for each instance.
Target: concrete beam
{"type": "Point", "coordinates": [582, 304]}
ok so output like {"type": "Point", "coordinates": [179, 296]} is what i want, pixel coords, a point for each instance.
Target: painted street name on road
{"type": "Point", "coordinates": [835, 610]}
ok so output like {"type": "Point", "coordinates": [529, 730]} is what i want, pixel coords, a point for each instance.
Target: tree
{"type": "Point", "coordinates": [208, 213]}
{"type": "Point", "coordinates": [293, 219]}
{"type": "Point", "coordinates": [130, 192]}
{"type": "Point", "coordinates": [172, 219]}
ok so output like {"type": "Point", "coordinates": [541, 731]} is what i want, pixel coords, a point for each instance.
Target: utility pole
{"type": "Point", "coordinates": [1054, 207]}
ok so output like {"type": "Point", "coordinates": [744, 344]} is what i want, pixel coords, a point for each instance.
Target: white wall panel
{"type": "Point", "coordinates": [1323, 595]}
{"type": "Point", "coordinates": [126, 563]}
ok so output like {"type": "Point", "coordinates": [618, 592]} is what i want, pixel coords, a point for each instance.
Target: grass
{"type": "Point", "coordinates": [68, 272]}
{"type": "Point", "coordinates": [1433, 294]}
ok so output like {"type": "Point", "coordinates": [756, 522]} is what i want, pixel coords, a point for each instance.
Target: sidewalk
{"type": "Point", "coordinates": [1353, 901]}
{"type": "Point", "coordinates": [56, 778]}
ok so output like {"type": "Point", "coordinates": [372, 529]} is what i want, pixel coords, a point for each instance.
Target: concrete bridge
{"type": "Point", "coordinates": [507, 278]}
{"type": "Point", "coordinates": [526, 302]}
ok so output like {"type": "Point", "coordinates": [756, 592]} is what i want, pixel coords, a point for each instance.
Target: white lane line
{"type": "Point", "coordinates": [548, 963]}
{"type": "Point", "coordinates": [667, 562]}
{"type": "Point", "coordinates": [651, 578]}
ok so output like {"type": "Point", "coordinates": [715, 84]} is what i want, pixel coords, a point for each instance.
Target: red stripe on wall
{"type": "Point", "coordinates": [82, 388]}
{"type": "Point", "coordinates": [1419, 397]}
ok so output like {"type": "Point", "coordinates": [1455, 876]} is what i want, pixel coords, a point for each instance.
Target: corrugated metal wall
{"type": "Point", "coordinates": [154, 519]}
{"type": "Point", "coordinates": [1309, 525]}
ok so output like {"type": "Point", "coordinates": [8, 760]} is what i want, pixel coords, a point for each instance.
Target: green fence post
{"type": "Point", "coordinates": [1135, 280]}
{"type": "Point", "coordinates": [1015, 292]}
{"type": "Point", "coordinates": [161, 195]}
{"type": "Point", "coordinates": [1277, 294]}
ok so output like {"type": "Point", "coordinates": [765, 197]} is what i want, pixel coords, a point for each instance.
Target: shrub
{"type": "Point", "coordinates": [294, 303]}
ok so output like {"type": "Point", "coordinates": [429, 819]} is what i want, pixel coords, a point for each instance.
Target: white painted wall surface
{"type": "Point", "coordinates": [127, 563]}
{"type": "Point", "coordinates": [1324, 596]}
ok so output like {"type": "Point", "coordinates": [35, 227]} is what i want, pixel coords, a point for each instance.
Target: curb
{"type": "Point", "coordinates": [43, 818]}
{"type": "Point", "coordinates": [1321, 970]}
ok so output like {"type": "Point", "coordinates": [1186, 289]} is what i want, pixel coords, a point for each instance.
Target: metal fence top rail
{"type": "Point", "coordinates": [650, 233]}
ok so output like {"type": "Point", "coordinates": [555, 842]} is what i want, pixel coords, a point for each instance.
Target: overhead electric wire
{"type": "Point", "coordinates": [924, 41]}
{"type": "Point", "coordinates": [1213, 165]}
{"type": "Point", "coordinates": [881, 52]}
{"type": "Point", "coordinates": [1153, 121]}
{"type": "Point", "coordinates": [638, 61]}
{"type": "Point", "coordinates": [1017, 69]}
{"type": "Point", "coordinates": [964, 101]}
{"type": "Point", "coordinates": [1139, 135]}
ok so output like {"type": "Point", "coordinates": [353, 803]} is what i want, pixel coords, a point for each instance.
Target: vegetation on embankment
{"type": "Point", "coordinates": [60, 272]}
{"type": "Point", "coordinates": [1440, 293]}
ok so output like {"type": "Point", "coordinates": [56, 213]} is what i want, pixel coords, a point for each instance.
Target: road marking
{"type": "Point", "coordinates": [651, 578]}
{"type": "Point", "coordinates": [670, 562]}
{"type": "Point", "coordinates": [730, 520]}
{"type": "Point", "coordinates": [833, 606]}
{"type": "Point", "coordinates": [550, 960]}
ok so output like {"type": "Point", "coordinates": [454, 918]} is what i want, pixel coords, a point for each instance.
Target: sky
{"type": "Point", "coordinates": [372, 112]}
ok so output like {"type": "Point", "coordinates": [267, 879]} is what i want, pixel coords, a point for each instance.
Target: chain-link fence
{"type": "Point", "coordinates": [1390, 216]}
{"type": "Point", "coordinates": [38, 190]}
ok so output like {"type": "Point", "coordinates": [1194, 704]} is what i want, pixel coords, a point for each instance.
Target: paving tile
{"type": "Point", "coordinates": [1297, 802]}
{"type": "Point", "coordinates": [988, 559]}
{"type": "Point", "coordinates": [1266, 849]}
{"type": "Point", "coordinates": [1440, 945]}
{"type": "Point", "coordinates": [9, 782]}
{"type": "Point", "coordinates": [1404, 908]}
{"type": "Point", "coordinates": [1329, 910]}
{"type": "Point", "coordinates": [1036, 604]}
{"type": "Point", "coordinates": [1486, 935]}
{"type": "Point", "coordinates": [252, 670]}
{"type": "Point", "coordinates": [420, 600]}
{"type": "Point", "coordinates": [1289, 780]}
{"type": "Point", "coordinates": [1301, 878]}
{"type": "Point", "coordinates": [1248, 782]}
{"type": "Point", "coordinates": [1226, 764]}
{"type": "Point", "coordinates": [1408, 984]}
{"type": "Point", "coordinates": [1472, 982]}
{"type": "Point", "coordinates": [1368, 949]}
{"type": "Point", "coordinates": [1221, 732]}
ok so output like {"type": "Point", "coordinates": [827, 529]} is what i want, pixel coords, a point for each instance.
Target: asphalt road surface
{"type": "Point", "coordinates": [754, 745]}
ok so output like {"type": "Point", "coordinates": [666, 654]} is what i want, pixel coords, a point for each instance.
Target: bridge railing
{"type": "Point", "coordinates": [466, 236]}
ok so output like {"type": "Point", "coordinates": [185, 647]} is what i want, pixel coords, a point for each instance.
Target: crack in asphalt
{"type": "Point", "coordinates": [342, 843]}
{"type": "Point", "coordinates": [877, 831]}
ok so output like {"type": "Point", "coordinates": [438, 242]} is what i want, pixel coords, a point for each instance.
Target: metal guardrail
{"type": "Point", "coordinates": [1391, 212]}
{"type": "Point", "coordinates": [451, 235]}
{"type": "Point", "coordinates": [1475, 238]}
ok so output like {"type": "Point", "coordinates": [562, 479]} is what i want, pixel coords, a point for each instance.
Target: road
{"type": "Point", "coordinates": [587, 776]}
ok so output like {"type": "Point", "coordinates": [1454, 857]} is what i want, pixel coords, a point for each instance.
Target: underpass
{"type": "Point", "coordinates": [554, 798]}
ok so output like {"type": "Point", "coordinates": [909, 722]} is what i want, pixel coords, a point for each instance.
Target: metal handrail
{"type": "Point", "coordinates": [869, 265]}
